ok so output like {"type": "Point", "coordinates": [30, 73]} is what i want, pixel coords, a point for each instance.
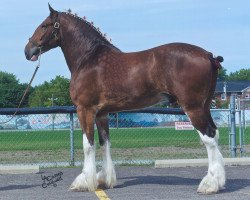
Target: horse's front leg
{"type": "Point", "coordinates": [86, 181]}
{"type": "Point", "coordinates": [107, 176]}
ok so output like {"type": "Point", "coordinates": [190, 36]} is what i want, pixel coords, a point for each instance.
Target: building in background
{"type": "Point", "coordinates": [224, 89]}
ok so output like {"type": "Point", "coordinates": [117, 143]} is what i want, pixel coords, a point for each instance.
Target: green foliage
{"type": "Point", "coordinates": [222, 104]}
{"type": "Point", "coordinates": [53, 93]}
{"type": "Point", "coordinates": [11, 91]}
{"type": "Point", "coordinates": [240, 75]}
{"type": "Point", "coordinates": [222, 75]}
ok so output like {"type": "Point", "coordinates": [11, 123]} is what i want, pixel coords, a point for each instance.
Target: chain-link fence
{"type": "Point", "coordinates": [137, 138]}
{"type": "Point", "coordinates": [244, 112]}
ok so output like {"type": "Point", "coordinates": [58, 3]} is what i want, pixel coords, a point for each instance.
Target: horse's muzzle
{"type": "Point", "coordinates": [31, 52]}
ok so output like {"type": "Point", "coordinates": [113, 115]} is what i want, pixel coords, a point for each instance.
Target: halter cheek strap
{"type": "Point", "coordinates": [56, 30]}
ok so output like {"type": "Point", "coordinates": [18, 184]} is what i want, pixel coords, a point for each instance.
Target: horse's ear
{"type": "Point", "coordinates": [52, 11]}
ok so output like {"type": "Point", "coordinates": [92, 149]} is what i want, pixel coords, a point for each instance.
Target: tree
{"type": "Point", "coordinates": [240, 75]}
{"type": "Point", "coordinates": [11, 91]}
{"type": "Point", "coordinates": [222, 75]}
{"type": "Point", "coordinates": [53, 93]}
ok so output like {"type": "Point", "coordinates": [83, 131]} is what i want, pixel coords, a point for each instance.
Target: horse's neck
{"type": "Point", "coordinates": [76, 46]}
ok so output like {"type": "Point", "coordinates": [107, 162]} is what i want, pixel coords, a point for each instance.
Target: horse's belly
{"type": "Point", "coordinates": [131, 103]}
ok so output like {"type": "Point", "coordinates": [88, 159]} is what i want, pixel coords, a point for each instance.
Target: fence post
{"type": "Point", "coordinates": [72, 158]}
{"type": "Point", "coordinates": [241, 134]}
{"type": "Point", "coordinates": [117, 120]}
{"type": "Point", "coordinates": [233, 147]}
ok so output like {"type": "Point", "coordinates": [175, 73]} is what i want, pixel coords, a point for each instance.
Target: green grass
{"type": "Point", "coordinates": [120, 138]}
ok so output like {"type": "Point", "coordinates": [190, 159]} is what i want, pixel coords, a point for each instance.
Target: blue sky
{"type": "Point", "coordinates": [221, 27]}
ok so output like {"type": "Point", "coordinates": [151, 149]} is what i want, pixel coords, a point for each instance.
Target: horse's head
{"type": "Point", "coordinates": [45, 37]}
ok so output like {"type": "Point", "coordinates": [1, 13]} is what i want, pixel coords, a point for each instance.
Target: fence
{"type": "Point", "coordinates": [52, 136]}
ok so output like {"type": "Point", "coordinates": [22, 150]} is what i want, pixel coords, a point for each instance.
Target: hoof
{"type": "Point", "coordinates": [208, 185]}
{"type": "Point", "coordinates": [105, 181]}
{"type": "Point", "coordinates": [81, 184]}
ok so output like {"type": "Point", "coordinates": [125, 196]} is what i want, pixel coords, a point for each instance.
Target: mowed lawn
{"type": "Point", "coordinates": [120, 138]}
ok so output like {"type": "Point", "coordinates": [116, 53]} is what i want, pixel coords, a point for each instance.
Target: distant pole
{"type": "Point", "coordinates": [233, 146]}
{"type": "Point", "coordinates": [241, 130]}
{"type": "Point", "coordinates": [225, 89]}
{"type": "Point", "coordinates": [53, 115]}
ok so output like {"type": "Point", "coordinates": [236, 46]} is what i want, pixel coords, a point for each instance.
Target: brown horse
{"type": "Point", "coordinates": [104, 79]}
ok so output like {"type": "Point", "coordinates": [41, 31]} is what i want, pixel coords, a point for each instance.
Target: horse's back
{"type": "Point", "coordinates": [173, 64]}
{"type": "Point", "coordinates": [182, 70]}
{"type": "Point", "coordinates": [174, 59]}
{"type": "Point", "coordinates": [173, 49]}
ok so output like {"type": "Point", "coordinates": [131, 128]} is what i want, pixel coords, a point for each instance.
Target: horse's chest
{"type": "Point", "coordinates": [84, 88]}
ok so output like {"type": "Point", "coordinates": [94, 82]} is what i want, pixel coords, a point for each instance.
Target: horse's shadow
{"type": "Point", "coordinates": [232, 185]}
{"type": "Point", "coordinates": [158, 180]}
{"type": "Point", "coordinates": [17, 187]}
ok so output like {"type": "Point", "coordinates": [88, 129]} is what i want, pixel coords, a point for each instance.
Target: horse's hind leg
{"type": "Point", "coordinates": [86, 181]}
{"type": "Point", "coordinates": [215, 178]}
{"type": "Point", "coordinates": [211, 122]}
{"type": "Point", "coordinates": [107, 176]}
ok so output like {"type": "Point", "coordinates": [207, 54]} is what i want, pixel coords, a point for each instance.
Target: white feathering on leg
{"type": "Point", "coordinates": [86, 181]}
{"type": "Point", "coordinates": [107, 176]}
{"type": "Point", "coordinates": [215, 179]}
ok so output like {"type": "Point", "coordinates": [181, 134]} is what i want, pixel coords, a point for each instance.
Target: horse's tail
{"type": "Point", "coordinates": [216, 61]}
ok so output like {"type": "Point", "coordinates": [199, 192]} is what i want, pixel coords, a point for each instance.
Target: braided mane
{"type": "Point", "coordinates": [90, 24]}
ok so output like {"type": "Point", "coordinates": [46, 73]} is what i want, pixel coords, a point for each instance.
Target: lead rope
{"type": "Point", "coordinates": [27, 89]}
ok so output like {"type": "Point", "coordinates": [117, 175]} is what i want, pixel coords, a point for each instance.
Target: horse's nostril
{"type": "Point", "coordinates": [26, 54]}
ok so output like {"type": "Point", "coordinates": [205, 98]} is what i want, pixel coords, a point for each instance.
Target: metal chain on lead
{"type": "Point", "coordinates": [28, 87]}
